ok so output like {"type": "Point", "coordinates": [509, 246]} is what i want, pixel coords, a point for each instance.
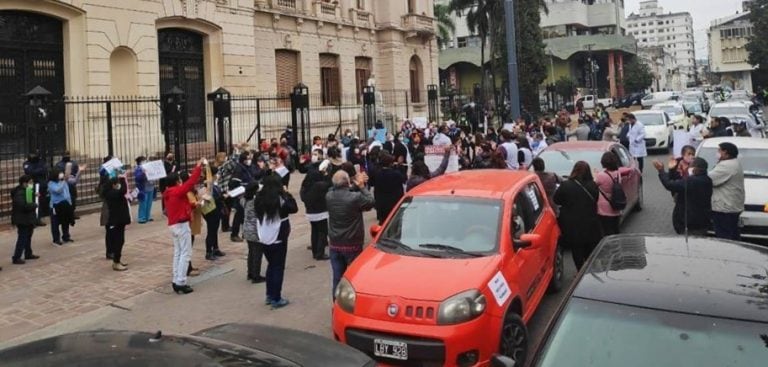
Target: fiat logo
{"type": "Point", "coordinates": [392, 310]}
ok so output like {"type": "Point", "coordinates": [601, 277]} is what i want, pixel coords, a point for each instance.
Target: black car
{"type": "Point", "coordinates": [231, 345]}
{"type": "Point", "coordinates": [629, 100]}
{"type": "Point", "coordinates": [663, 301]}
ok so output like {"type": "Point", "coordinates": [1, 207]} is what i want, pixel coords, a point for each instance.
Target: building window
{"type": "Point", "coordinates": [362, 74]}
{"type": "Point", "coordinates": [286, 71]}
{"type": "Point", "coordinates": [411, 6]}
{"type": "Point", "coordinates": [361, 4]}
{"type": "Point", "coordinates": [416, 79]}
{"type": "Point", "coordinates": [461, 42]}
{"type": "Point", "coordinates": [330, 79]}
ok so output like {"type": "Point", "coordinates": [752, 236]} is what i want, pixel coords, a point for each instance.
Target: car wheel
{"type": "Point", "coordinates": [514, 338]}
{"type": "Point", "coordinates": [558, 273]}
{"type": "Point", "coordinates": [639, 204]}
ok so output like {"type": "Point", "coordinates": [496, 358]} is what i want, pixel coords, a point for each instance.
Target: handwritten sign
{"type": "Point", "coordinates": [113, 164]}
{"type": "Point", "coordinates": [681, 138]}
{"type": "Point", "coordinates": [499, 288]}
{"type": "Point", "coordinates": [419, 122]}
{"type": "Point", "coordinates": [155, 170]}
{"type": "Point", "coordinates": [433, 156]}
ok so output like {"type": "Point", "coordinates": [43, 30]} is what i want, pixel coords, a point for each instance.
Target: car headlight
{"type": "Point", "coordinates": [462, 307]}
{"type": "Point", "coordinates": [345, 295]}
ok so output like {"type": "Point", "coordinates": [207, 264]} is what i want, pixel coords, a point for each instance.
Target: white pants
{"type": "Point", "coordinates": [182, 251]}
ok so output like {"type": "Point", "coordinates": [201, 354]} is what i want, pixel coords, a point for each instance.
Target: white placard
{"type": "Point", "coordinates": [419, 122]}
{"type": "Point", "coordinates": [534, 200]}
{"type": "Point", "coordinates": [433, 156]}
{"type": "Point", "coordinates": [681, 138]}
{"type": "Point", "coordinates": [508, 127]}
{"type": "Point", "coordinates": [236, 192]}
{"type": "Point", "coordinates": [499, 288]}
{"type": "Point", "coordinates": [113, 164]}
{"type": "Point", "coordinates": [154, 170]}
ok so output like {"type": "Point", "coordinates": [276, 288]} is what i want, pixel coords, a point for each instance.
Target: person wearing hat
{"type": "Point", "coordinates": [693, 196]}
{"type": "Point", "coordinates": [740, 129]}
{"type": "Point", "coordinates": [728, 193]}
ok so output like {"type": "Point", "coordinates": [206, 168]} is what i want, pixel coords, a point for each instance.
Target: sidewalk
{"type": "Point", "coordinates": [75, 287]}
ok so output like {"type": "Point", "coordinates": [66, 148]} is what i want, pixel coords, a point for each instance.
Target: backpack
{"type": "Point", "coordinates": [618, 198]}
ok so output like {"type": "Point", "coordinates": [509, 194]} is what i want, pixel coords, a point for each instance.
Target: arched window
{"type": "Point", "coordinates": [123, 73]}
{"type": "Point", "coordinates": [416, 79]}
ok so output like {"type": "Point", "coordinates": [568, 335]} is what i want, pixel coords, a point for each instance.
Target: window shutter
{"type": "Point", "coordinates": [287, 67]}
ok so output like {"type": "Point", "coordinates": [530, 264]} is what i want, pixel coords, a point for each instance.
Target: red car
{"type": "Point", "coordinates": [455, 273]}
{"type": "Point", "coordinates": [559, 158]}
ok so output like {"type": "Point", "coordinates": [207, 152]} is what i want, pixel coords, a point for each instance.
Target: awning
{"type": "Point", "coordinates": [565, 47]}
{"type": "Point", "coordinates": [471, 55]}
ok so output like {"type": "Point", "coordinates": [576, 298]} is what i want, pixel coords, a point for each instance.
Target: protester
{"type": "Point", "coordinates": [580, 226]}
{"type": "Point", "coordinates": [345, 221]}
{"type": "Point", "coordinates": [146, 191]}
{"type": "Point", "coordinates": [388, 186]}
{"type": "Point", "coordinates": [251, 234]}
{"type": "Point", "coordinates": [119, 218]}
{"type": "Point", "coordinates": [538, 144]}
{"type": "Point", "coordinates": [242, 177]}
{"type": "Point", "coordinates": [682, 164]}
{"type": "Point", "coordinates": [720, 128]}
{"type": "Point", "coordinates": [170, 167]}
{"type": "Point", "coordinates": [62, 215]}
{"type": "Point", "coordinates": [195, 219]}
{"type": "Point", "coordinates": [697, 131]}
{"type": "Point", "coordinates": [277, 166]}
{"type": "Point", "coordinates": [179, 214]}
{"type": "Point", "coordinates": [272, 206]}
{"type": "Point", "coordinates": [610, 132]}
{"type": "Point", "coordinates": [213, 212]}
{"type": "Point", "coordinates": [72, 172]}
{"type": "Point", "coordinates": [313, 191]}
{"type": "Point", "coordinates": [420, 171]}
{"type": "Point", "coordinates": [223, 168]}
{"type": "Point", "coordinates": [581, 132]}
{"type": "Point", "coordinates": [415, 147]}
{"type": "Point", "coordinates": [524, 153]}
{"type": "Point", "coordinates": [636, 137]}
{"type": "Point", "coordinates": [693, 196]}
{"type": "Point", "coordinates": [37, 168]}
{"type": "Point", "coordinates": [104, 179]}
{"type": "Point", "coordinates": [508, 150]}
{"type": "Point", "coordinates": [550, 181]}
{"type": "Point", "coordinates": [442, 138]}
{"type": "Point", "coordinates": [728, 193]}
{"type": "Point", "coordinates": [24, 218]}
{"type": "Point", "coordinates": [608, 207]}
{"type": "Point", "coordinates": [740, 129]}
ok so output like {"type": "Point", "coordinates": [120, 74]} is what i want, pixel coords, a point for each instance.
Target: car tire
{"type": "Point", "coordinates": [639, 204]}
{"type": "Point", "coordinates": [558, 274]}
{"type": "Point", "coordinates": [513, 342]}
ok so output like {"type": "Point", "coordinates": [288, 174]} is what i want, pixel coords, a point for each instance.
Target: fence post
{"type": "Point", "coordinates": [110, 138]}
{"type": "Point", "coordinates": [300, 117]}
{"type": "Point", "coordinates": [338, 129]}
{"type": "Point", "coordinates": [174, 107]}
{"type": "Point", "coordinates": [407, 106]}
{"type": "Point", "coordinates": [369, 108]}
{"type": "Point", "coordinates": [432, 101]}
{"type": "Point", "coordinates": [258, 121]}
{"type": "Point", "coordinates": [222, 114]}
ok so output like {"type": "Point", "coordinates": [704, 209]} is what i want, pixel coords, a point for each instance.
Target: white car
{"type": "Point", "coordinates": [658, 129]}
{"type": "Point", "coordinates": [676, 112]}
{"type": "Point", "coordinates": [752, 154]}
{"type": "Point", "coordinates": [695, 108]}
{"type": "Point", "coordinates": [659, 97]}
{"type": "Point", "coordinates": [731, 110]}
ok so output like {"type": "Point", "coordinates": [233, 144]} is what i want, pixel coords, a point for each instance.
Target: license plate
{"type": "Point", "coordinates": [390, 349]}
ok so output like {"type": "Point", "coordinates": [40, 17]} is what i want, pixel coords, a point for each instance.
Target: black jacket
{"type": "Point", "coordinates": [692, 195]}
{"type": "Point", "coordinates": [578, 212]}
{"type": "Point", "coordinates": [313, 190]}
{"type": "Point", "coordinates": [117, 205]}
{"type": "Point", "coordinates": [22, 213]}
{"type": "Point", "coordinates": [388, 189]}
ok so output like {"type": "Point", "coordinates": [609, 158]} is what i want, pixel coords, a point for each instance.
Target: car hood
{"type": "Point", "coordinates": [380, 273]}
{"type": "Point", "coordinates": [756, 191]}
{"type": "Point", "coordinates": [655, 130]}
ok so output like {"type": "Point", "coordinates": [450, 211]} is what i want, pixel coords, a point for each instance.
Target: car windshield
{"type": "Point", "coordinates": [650, 119]}
{"type": "Point", "coordinates": [601, 334]}
{"type": "Point", "coordinates": [670, 110]}
{"type": "Point", "coordinates": [447, 225]}
{"type": "Point", "coordinates": [694, 107]}
{"type": "Point", "coordinates": [562, 163]}
{"type": "Point", "coordinates": [728, 111]}
{"type": "Point", "coordinates": [752, 160]}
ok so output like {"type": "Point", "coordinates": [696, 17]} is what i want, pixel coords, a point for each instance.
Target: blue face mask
{"type": "Point", "coordinates": [535, 144]}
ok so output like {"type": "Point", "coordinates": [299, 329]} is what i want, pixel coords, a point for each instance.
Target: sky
{"type": "Point", "coordinates": [703, 13]}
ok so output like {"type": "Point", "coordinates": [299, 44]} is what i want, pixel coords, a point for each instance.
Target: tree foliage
{"type": "Point", "coordinates": [565, 87]}
{"type": "Point", "coordinates": [637, 76]}
{"type": "Point", "coordinates": [758, 43]}
{"type": "Point", "coordinates": [445, 25]}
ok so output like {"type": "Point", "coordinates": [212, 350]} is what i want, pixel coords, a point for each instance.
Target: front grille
{"type": "Point", "coordinates": [419, 312]}
{"type": "Point", "coordinates": [754, 208]}
{"type": "Point", "coordinates": [650, 142]}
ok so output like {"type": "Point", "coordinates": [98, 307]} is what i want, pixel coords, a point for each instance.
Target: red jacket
{"type": "Point", "coordinates": [177, 206]}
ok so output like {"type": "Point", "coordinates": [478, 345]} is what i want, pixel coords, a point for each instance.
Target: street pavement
{"type": "Point", "coordinates": [73, 288]}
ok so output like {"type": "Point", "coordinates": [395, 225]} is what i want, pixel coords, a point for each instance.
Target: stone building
{"type": "Point", "coordinates": [81, 48]}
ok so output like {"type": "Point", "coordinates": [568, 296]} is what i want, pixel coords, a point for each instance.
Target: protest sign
{"type": "Point", "coordinates": [433, 156]}
{"type": "Point", "coordinates": [155, 170]}
{"type": "Point", "coordinates": [419, 122]}
{"type": "Point", "coordinates": [113, 164]}
{"type": "Point", "coordinates": [681, 138]}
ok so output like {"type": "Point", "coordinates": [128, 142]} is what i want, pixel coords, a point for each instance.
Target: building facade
{"type": "Point", "coordinates": [664, 67]}
{"type": "Point", "coordinates": [728, 55]}
{"type": "Point", "coordinates": [672, 31]}
{"type": "Point", "coordinates": [81, 48]}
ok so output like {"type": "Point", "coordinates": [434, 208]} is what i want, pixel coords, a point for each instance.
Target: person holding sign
{"type": "Point", "coordinates": [146, 191]}
{"type": "Point", "coordinates": [24, 218]}
{"type": "Point", "coordinates": [420, 171]}
{"type": "Point", "coordinates": [119, 218]}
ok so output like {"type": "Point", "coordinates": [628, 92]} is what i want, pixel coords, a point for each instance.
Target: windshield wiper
{"type": "Point", "coordinates": [394, 244]}
{"type": "Point", "coordinates": [755, 175]}
{"type": "Point", "coordinates": [447, 248]}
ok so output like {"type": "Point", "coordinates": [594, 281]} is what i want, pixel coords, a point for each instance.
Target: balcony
{"type": "Point", "coordinates": [421, 26]}
{"type": "Point", "coordinates": [287, 6]}
{"type": "Point", "coordinates": [327, 9]}
{"type": "Point", "coordinates": [360, 18]}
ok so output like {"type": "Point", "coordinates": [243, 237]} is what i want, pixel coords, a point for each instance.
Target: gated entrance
{"type": "Point", "coordinates": [181, 65]}
{"type": "Point", "coordinates": [31, 54]}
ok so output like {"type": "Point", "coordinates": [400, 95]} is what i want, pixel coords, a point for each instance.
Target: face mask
{"type": "Point", "coordinates": [401, 139]}
{"type": "Point", "coordinates": [719, 156]}
{"type": "Point", "coordinates": [688, 159]}
{"type": "Point", "coordinates": [248, 162]}
{"type": "Point", "coordinates": [349, 134]}
{"type": "Point", "coordinates": [118, 187]}
{"type": "Point", "coordinates": [61, 176]}
{"type": "Point", "coordinates": [357, 151]}
{"type": "Point", "coordinates": [389, 138]}
{"type": "Point", "coordinates": [535, 144]}
{"type": "Point", "coordinates": [690, 171]}
{"type": "Point", "coordinates": [315, 158]}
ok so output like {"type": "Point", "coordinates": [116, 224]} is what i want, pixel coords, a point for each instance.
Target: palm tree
{"type": "Point", "coordinates": [445, 25]}
{"type": "Point", "coordinates": [478, 22]}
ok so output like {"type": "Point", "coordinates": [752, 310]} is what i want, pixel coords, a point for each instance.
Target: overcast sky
{"type": "Point", "coordinates": [703, 13]}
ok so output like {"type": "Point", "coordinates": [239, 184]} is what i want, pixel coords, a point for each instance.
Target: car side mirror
{"type": "Point", "coordinates": [499, 360]}
{"type": "Point", "coordinates": [528, 240]}
{"type": "Point", "coordinates": [375, 229]}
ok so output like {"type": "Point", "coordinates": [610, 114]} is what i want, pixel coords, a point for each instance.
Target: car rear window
{"type": "Point", "coordinates": [753, 161]}
{"type": "Point", "coordinates": [601, 334]}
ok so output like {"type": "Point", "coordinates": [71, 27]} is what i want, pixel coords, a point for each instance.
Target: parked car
{"type": "Point", "coordinates": [752, 155]}
{"type": "Point", "coordinates": [741, 96]}
{"type": "Point", "coordinates": [678, 116]}
{"type": "Point", "coordinates": [590, 102]}
{"type": "Point", "coordinates": [697, 95]}
{"type": "Point", "coordinates": [659, 97]}
{"type": "Point", "coordinates": [630, 100]}
{"type": "Point", "coordinates": [454, 274]}
{"type": "Point", "coordinates": [559, 158]}
{"type": "Point", "coordinates": [227, 345]}
{"type": "Point", "coordinates": [695, 108]}
{"type": "Point", "coordinates": [731, 110]}
{"type": "Point", "coordinates": [658, 129]}
{"type": "Point", "coordinates": [663, 301]}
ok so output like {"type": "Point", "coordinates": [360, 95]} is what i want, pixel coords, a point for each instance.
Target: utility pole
{"type": "Point", "coordinates": [514, 83]}
{"type": "Point", "coordinates": [592, 78]}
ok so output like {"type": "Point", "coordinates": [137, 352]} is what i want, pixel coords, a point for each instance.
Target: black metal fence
{"type": "Point", "coordinates": [90, 128]}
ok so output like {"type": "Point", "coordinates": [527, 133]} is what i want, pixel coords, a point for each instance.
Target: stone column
{"type": "Point", "coordinates": [612, 74]}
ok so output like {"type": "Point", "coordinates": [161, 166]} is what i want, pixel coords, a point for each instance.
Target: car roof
{"type": "Point", "coordinates": [703, 276]}
{"type": "Point", "coordinates": [485, 183]}
{"type": "Point", "coordinates": [740, 142]}
{"type": "Point", "coordinates": [668, 104]}
{"type": "Point", "coordinates": [581, 145]}
{"type": "Point", "coordinates": [730, 104]}
{"type": "Point", "coordinates": [648, 112]}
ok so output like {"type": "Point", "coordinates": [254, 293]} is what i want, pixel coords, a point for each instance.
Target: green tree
{"type": "Point", "coordinates": [637, 76]}
{"type": "Point", "coordinates": [565, 87]}
{"type": "Point", "coordinates": [478, 22]}
{"type": "Point", "coordinates": [758, 43]}
{"type": "Point", "coordinates": [445, 25]}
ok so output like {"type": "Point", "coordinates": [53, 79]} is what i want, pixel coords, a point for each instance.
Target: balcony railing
{"type": "Point", "coordinates": [287, 5]}
{"type": "Point", "coordinates": [419, 25]}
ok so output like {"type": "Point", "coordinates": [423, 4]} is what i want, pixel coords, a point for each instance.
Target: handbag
{"type": "Point", "coordinates": [208, 206]}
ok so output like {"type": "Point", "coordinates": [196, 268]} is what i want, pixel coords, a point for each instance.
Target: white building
{"type": "Point", "coordinates": [664, 68]}
{"type": "Point", "coordinates": [672, 31]}
{"type": "Point", "coordinates": [728, 56]}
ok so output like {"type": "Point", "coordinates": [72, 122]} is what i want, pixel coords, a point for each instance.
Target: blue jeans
{"type": "Point", "coordinates": [24, 241]}
{"type": "Point", "coordinates": [275, 255]}
{"type": "Point", "coordinates": [340, 261]}
{"type": "Point", "coordinates": [55, 224]}
{"type": "Point", "coordinates": [145, 206]}
{"type": "Point", "coordinates": [726, 225]}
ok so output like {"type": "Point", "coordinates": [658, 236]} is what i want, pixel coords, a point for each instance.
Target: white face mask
{"type": "Point", "coordinates": [118, 187]}
{"type": "Point", "coordinates": [315, 159]}
{"type": "Point", "coordinates": [61, 176]}
{"type": "Point", "coordinates": [719, 156]}
{"type": "Point", "coordinates": [690, 171]}
{"type": "Point", "coordinates": [248, 162]}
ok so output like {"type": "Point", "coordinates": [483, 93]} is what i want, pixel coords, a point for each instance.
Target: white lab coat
{"type": "Point", "coordinates": [697, 134]}
{"type": "Point", "coordinates": [636, 136]}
